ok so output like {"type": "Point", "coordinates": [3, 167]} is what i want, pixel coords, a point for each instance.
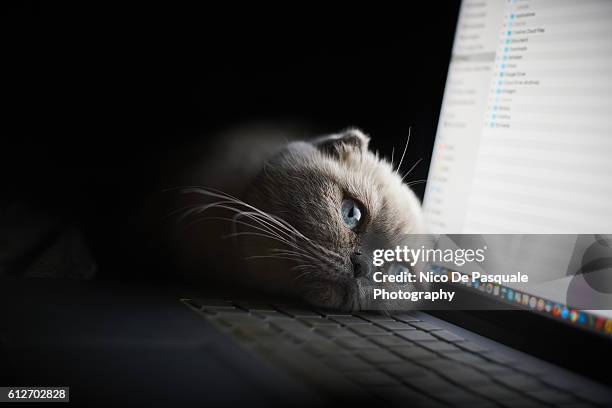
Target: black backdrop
{"type": "Point", "coordinates": [97, 97]}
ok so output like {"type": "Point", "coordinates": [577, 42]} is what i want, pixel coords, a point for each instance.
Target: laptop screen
{"type": "Point", "coordinates": [524, 140]}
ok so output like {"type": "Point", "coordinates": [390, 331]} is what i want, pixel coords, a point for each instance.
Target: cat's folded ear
{"type": "Point", "coordinates": [343, 143]}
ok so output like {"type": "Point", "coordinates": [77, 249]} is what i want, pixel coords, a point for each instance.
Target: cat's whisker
{"type": "Point", "coordinates": [254, 234]}
{"type": "Point", "coordinates": [270, 234]}
{"type": "Point", "coordinates": [193, 207]}
{"type": "Point", "coordinates": [264, 233]}
{"type": "Point", "coordinates": [196, 220]}
{"type": "Point", "coordinates": [294, 245]}
{"type": "Point", "coordinates": [265, 221]}
{"type": "Point", "coordinates": [264, 225]}
{"type": "Point", "coordinates": [215, 205]}
{"type": "Point", "coordinates": [302, 275]}
{"type": "Point", "coordinates": [279, 222]}
{"type": "Point", "coordinates": [222, 204]}
{"type": "Point", "coordinates": [399, 166]}
{"type": "Point", "coordinates": [303, 266]}
{"type": "Point", "coordinates": [316, 246]}
{"type": "Point", "coordinates": [287, 251]}
{"type": "Point", "coordinates": [259, 216]}
{"type": "Point", "coordinates": [221, 195]}
{"type": "Point", "coordinates": [270, 257]}
{"type": "Point", "coordinates": [412, 168]}
{"type": "Point", "coordinates": [234, 221]}
{"type": "Point", "coordinates": [292, 253]}
{"type": "Point", "coordinates": [416, 182]}
{"type": "Point", "coordinates": [197, 209]}
{"type": "Point", "coordinates": [362, 294]}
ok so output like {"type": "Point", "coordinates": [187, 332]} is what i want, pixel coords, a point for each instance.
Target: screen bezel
{"type": "Point", "coordinates": [545, 337]}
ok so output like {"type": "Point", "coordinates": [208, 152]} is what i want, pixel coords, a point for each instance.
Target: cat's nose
{"type": "Point", "coordinates": [361, 266]}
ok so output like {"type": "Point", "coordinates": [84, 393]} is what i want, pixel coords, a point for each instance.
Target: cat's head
{"type": "Point", "coordinates": [332, 203]}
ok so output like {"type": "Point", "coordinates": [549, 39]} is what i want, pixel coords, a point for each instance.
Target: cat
{"type": "Point", "coordinates": [291, 217]}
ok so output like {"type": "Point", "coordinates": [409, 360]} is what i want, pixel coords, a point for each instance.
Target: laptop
{"type": "Point", "coordinates": [522, 146]}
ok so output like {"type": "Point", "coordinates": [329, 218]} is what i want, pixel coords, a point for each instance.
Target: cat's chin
{"type": "Point", "coordinates": [351, 295]}
{"type": "Point", "coordinates": [348, 295]}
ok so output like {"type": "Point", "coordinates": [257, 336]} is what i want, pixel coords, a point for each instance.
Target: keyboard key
{"type": "Point", "coordinates": [295, 312]}
{"type": "Point", "coordinates": [431, 384]}
{"type": "Point", "coordinates": [467, 358]}
{"type": "Point", "coordinates": [540, 369]}
{"type": "Point", "coordinates": [521, 382]}
{"type": "Point", "coordinates": [303, 336]}
{"type": "Point", "coordinates": [523, 402]}
{"type": "Point", "coordinates": [500, 358]}
{"type": "Point", "coordinates": [356, 342]}
{"type": "Point", "coordinates": [447, 367]}
{"type": "Point", "coordinates": [374, 317]}
{"type": "Point", "coordinates": [369, 330]}
{"type": "Point", "coordinates": [552, 396]}
{"type": "Point", "coordinates": [331, 331]}
{"type": "Point", "coordinates": [496, 392]}
{"type": "Point", "coordinates": [444, 390]}
{"type": "Point", "coordinates": [254, 334]}
{"type": "Point", "coordinates": [581, 404]}
{"type": "Point", "coordinates": [400, 396]}
{"type": "Point", "coordinates": [255, 306]}
{"type": "Point", "coordinates": [395, 325]}
{"type": "Point", "coordinates": [323, 348]}
{"type": "Point", "coordinates": [406, 317]}
{"type": "Point", "coordinates": [473, 347]}
{"type": "Point", "coordinates": [425, 326]}
{"type": "Point", "coordinates": [348, 320]}
{"type": "Point", "coordinates": [372, 379]}
{"type": "Point", "coordinates": [289, 325]}
{"type": "Point", "coordinates": [329, 313]}
{"type": "Point", "coordinates": [406, 370]}
{"type": "Point", "coordinates": [457, 397]}
{"type": "Point", "coordinates": [318, 321]}
{"type": "Point", "coordinates": [447, 336]}
{"type": "Point", "coordinates": [390, 341]}
{"type": "Point", "coordinates": [213, 310]}
{"type": "Point", "coordinates": [211, 303]}
{"type": "Point", "coordinates": [347, 363]}
{"type": "Point", "coordinates": [494, 369]}
{"type": "Point", "coordinates": [240, 320]}
{"type": "Point", "coordinates": [415, 335]}
{"type": "Point", "coordinates": [375, 356]}
{"type": "Point", "coordinates": [466, 376]}
{"type": "Point", "coordinates": [482, 404]}
{"type": "Point", "coordinates": [439, 346]}
{"type": "Point", "coordinates": [274, 315]}
{"type": "Point", "coordinates": [414, 353]}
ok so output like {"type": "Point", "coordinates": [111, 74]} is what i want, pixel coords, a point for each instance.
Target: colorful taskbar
{"type": "Point", "coordinates": [547, 307]}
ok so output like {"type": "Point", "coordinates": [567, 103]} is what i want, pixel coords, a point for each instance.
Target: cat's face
{"type": "Point", "coordinates": [339, 202]}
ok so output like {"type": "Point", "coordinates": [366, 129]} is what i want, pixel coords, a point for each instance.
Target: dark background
{"type": "Point", "coordinates": [96, 98]}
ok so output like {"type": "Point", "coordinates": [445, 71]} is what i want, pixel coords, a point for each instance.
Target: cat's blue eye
{"type": "Point", "coordinates": [351, 213]}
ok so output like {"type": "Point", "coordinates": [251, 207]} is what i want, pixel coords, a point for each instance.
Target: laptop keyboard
{"type": "Point", "coordinates": [398, 358]}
